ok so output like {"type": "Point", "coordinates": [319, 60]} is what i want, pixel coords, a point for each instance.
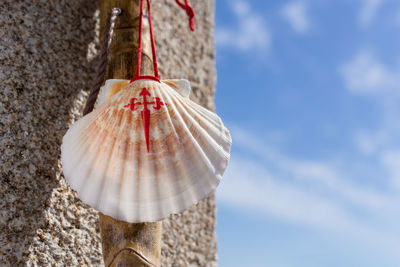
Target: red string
{"type": "Point", "coordinates": [189, 12]}
{"type": "Point", "coordinates": [145, 78]}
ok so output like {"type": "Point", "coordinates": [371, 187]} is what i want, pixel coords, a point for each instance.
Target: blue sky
{"type": "Point", "coordinates": [310, 90]}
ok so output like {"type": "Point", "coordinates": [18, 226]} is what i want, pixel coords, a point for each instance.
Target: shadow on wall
{"type": "Point", "coordinates": [43, 68]}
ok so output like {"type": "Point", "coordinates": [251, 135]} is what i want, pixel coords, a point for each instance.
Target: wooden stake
{"type": "Point", "coordinates": [128, 244]}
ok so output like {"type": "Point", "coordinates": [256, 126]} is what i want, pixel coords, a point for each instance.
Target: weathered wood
{"type": "Point", "coordinates": [128, 244]}
{"type": "Point", "coordinates": [123, 50]}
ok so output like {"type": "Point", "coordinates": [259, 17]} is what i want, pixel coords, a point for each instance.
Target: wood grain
{"type": "Point", "coordinates": [128, 244]}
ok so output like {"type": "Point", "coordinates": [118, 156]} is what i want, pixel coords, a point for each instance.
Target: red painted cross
{"type": "Point", "coordinates": [133, 105]}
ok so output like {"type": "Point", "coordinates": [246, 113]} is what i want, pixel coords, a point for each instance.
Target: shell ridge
{"type": "Point", "coordinates": [103, 197]}
{"type": "Point", "coordinates": [124, 178]}
{"type": "Point", "coordinates": [161, 205]}
{"type": "Point", "coordinates": [211, 148]}
{"type": "Point", "coordinates": [75, 127]}
{"type": "Point", "coordinates": [159, 209]}
{"type": "Point", "coordinates": [209, 139]}
{"type": "Point", "coordinates": [179, 116]}
{"type": "Point", "coordinates": [137, 160]}
{"type": "Point", "coordinates": [204, 113]}
{"type": "Point", "coordinates": [211, 117]}
{"type": "Point", "coordinates": [216, 130]}
{"type": "Point", "coordinates": [222, 145]}
{"type": "Point", "coordinates": [198, 127]}
{"type": "Point", "coordinates": [147, 183]}
{"type": "Point", "coordinates": [75, 163]}
{"type": "Point", "coordinates": [217, 123]}
{"type": "Point", "coordinates": [181, 86]}
{"type": "Point", "coordinates": [82, 177]}
{"type": "Point", "coordinates": [95, 147]}
{"type": "Point", "coordinates": [205, 161]}
{"type": "Point", "coordinates": [177, 172]}
{"type": "Point", "coordinates": [105, 90]}
{"type": "Point", "coordinates": [122, 170]}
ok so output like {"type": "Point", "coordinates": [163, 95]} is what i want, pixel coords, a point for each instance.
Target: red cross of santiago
{"type": "Point", "coordinates": [133, 105]}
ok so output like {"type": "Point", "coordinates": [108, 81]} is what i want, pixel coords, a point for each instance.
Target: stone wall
{"type": "Point", "coordinates": [48, 57]}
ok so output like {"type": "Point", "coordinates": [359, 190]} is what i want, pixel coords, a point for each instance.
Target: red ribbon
{"type": "Point", "coordinates": [189, 11]}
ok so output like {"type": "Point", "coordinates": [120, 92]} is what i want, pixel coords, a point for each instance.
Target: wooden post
{"type": "Point", "coordinates": [128, 244]}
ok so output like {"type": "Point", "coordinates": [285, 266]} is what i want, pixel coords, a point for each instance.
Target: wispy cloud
{"type": "Point", "coordinates": [368, 76]}
{"type": "Point", "coordinates": [370, 143]}
{"type": "Point", "coordinates": [365, 73]}
{"type": "Point", "coordinates": [250, 31]}
{"type": "Point", "coordinates": [369, 9]}
{"type": "Point", "coordinates": [310, 172]}
{"type": "Point", "coordinates": [253, 188]}
{"type": "Point", "coordinates": [296, 14]}
{"type": "Point", "coordinates": [391, 160]}
{"type": "Point", "coordinates": [308, 192]}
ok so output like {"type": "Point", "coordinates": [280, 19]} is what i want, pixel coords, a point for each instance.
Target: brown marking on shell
{"type": "Point", "coordinates": [116, 87]}
{"type": "Point", "coordinates": [185, 160]}
{"type": "Point", "coordinates": [171, 83]}
{"type": "Point", "coordinates": [170, 145]}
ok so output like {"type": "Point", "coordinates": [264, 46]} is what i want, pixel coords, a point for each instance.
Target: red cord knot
{"type": "Point", "coordinates": [189, 12]}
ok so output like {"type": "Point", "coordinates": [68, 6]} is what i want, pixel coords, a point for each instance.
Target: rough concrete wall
{"type": "Point", "coordinates": [46, 68]}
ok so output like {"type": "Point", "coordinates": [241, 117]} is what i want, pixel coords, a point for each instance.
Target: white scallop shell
{"type": "Point", "coordinates": [105, 158]}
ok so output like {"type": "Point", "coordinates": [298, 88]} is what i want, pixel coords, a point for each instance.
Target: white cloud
{"type": "Point", "coordinates": [250, 32]}
{"type": "Point", "coordinates": [366, 74]}
{"type": "Point", "coordinates": [391, 159]}
{"type": "Point", "coordinates": [369, 143]}
{"type": "Point", "coordinates": [308, 192]}
{"type": "Point", "coordinates": [310, 172]}
{"type": "Point", "coordinates": [365, 143]}
{"type": "Point", "coordinates": [251, 187]}
{"type": "Point", "coordinates": [369, 9]}
{"type": "Point", "coordinates": [296, 14]}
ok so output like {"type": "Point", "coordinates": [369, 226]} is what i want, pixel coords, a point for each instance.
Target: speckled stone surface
{"type": "Point", "coordinates": [47, 63]}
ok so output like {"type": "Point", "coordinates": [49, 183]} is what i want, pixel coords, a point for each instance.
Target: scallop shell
{"type": "Point", "coordinates": [132, 176]}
